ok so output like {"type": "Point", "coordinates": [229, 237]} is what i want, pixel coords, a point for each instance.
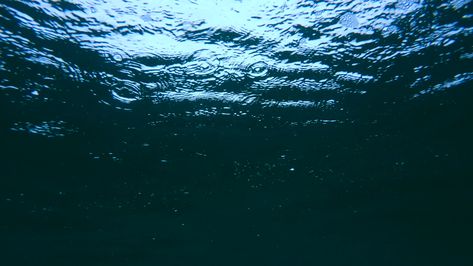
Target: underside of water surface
{"type": "Point", "coordinates": [236, 132]}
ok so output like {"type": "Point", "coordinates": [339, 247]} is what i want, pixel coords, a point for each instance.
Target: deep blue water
{"type": "Point", "coordinates": [236, 132]}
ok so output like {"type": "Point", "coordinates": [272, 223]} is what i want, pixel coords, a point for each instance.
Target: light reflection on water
{"type": "Point", "coordinates": [265, 54]}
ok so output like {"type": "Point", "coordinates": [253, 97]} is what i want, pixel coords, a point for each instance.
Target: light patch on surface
{"type": "Point", "coordinates": [349, 20]}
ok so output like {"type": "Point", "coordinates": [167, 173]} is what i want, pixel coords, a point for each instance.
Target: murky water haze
{"type": "Point", "coordinates": [274, 132]}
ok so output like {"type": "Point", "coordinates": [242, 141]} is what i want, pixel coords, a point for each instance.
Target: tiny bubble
{"type": "Point", "coordinates": [117, 57]}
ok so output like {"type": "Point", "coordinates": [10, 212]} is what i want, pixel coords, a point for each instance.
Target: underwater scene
{"type": "Point", "coordinates": [236, 132]}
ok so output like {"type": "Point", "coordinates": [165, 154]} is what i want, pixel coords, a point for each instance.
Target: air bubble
{"type": "Point", "coordinates": [117, 57]}
{"type": "Point", "coordinates": [258, 69]}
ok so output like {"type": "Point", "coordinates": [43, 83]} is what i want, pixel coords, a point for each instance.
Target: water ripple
{"type": "Point", "coordinates": [258, 69]}
{"type": "Point", "coordinates": [283, 54]}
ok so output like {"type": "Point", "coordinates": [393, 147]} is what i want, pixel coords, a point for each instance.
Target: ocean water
{"type": "Point", "coordinates": [236, 132]}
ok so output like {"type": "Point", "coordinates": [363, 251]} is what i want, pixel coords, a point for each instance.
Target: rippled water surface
{"type": "Point", "coordinates": [236, 132]}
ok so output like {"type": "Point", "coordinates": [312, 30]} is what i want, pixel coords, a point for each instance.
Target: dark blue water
{"type": "Point", "coordinates": [236, 132]}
